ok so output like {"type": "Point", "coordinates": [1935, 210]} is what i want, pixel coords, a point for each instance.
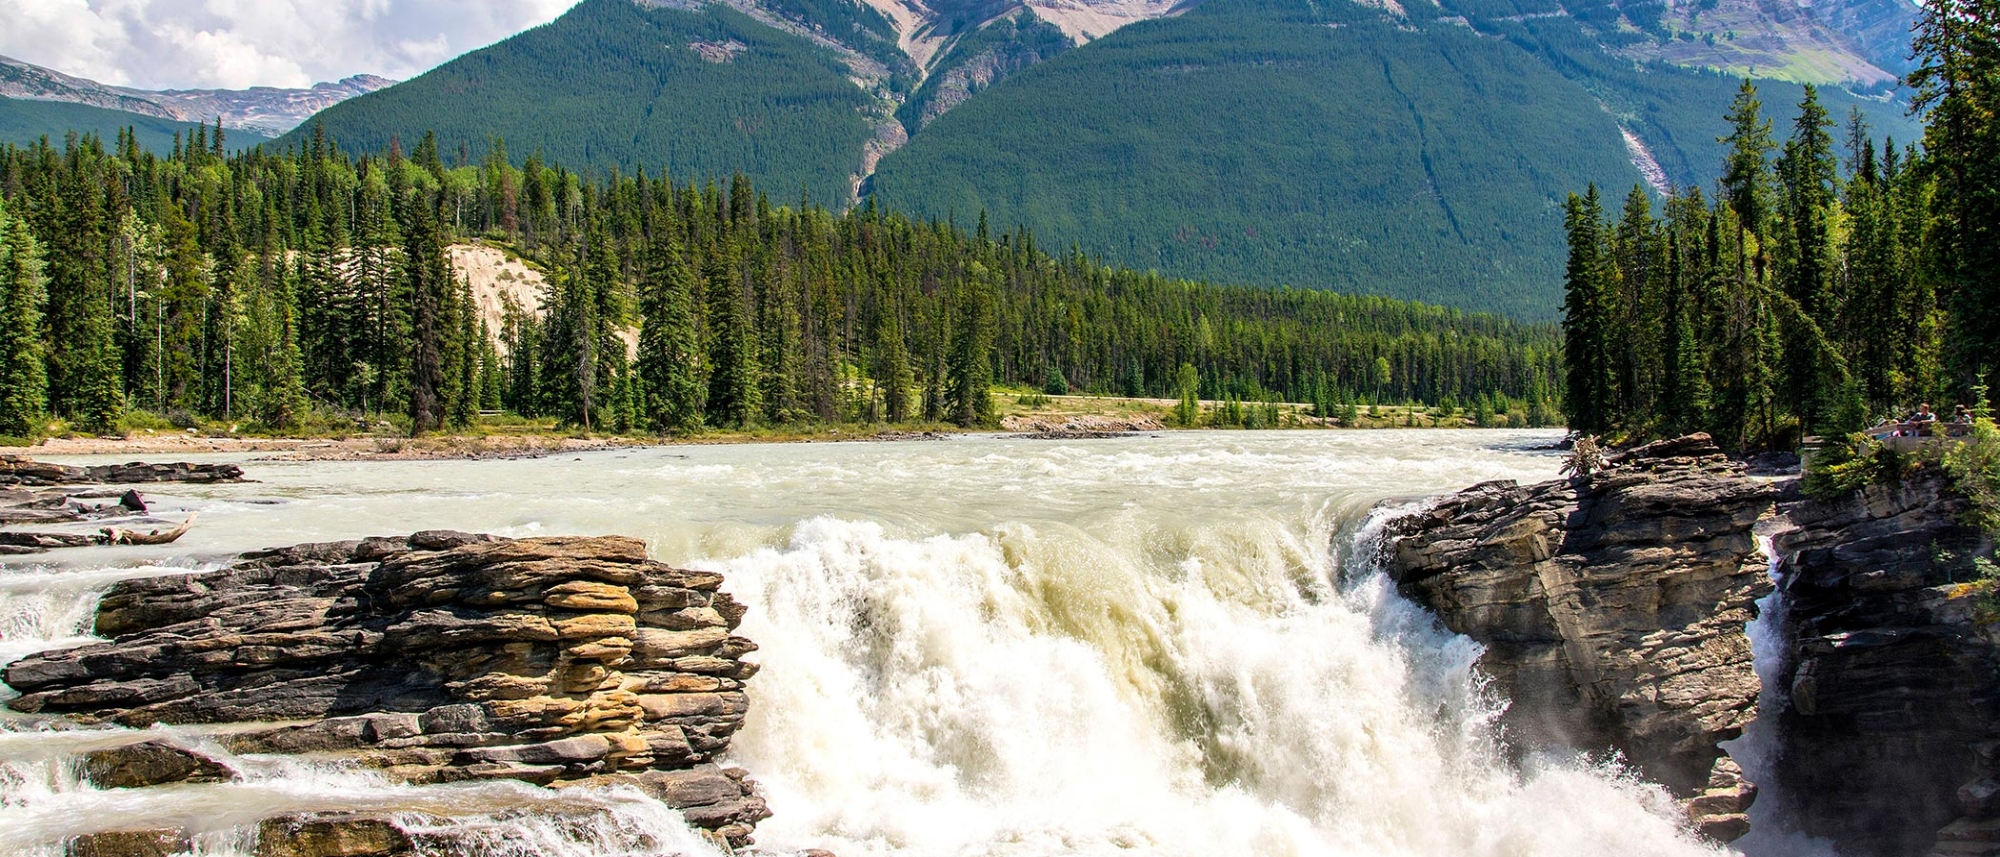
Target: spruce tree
{"type": "Point", "coordinates": [284, 404]}
{"type": "Point", "coordinates": [429, 284]}
{"type": "Point", "coordinates": [1746, 173]}
{"type": "Point", "coordinates": [732, 352]}
{"type": "Point", "coordinates": [669, 343]}
{"type": "Point", "coordinates": [1807, 173]}
{"type": "Point", "coordinates": [1957, 83]}
{"type": "Point", "coordinates": [100, 396]}
{"type": "Point", "coordinates": [1589, 395]}
{"type": "Point", "coordinates": [893, 365]}
{"type": "Point", "coordinates": [970, 375]}
{"type": "Point", "coordinates": [24, 382]}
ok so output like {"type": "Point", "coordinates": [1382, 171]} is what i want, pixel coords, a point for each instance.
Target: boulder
{"type": "Point", "coordinates": [305, 836]}
{"type": "Point", "coordinates": [150, 764]}
{"type": "Point", "coordinates": [130, 843]}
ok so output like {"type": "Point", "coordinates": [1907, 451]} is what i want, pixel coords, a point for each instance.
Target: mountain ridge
{"type": "Point", "coordinates": [266, 111]}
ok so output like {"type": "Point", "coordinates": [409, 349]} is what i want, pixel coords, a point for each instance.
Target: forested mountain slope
{"type": "Point", "coordinates": [1403, 148]}
{"type": "Point", "coordinates": [700, 93]}
{"type": "Point", "coordinates": [1324, 146]}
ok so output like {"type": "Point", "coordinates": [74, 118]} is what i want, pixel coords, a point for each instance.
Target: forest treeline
{"type": "Point", "coordinates": [271, 288]}
{"type": "Point", "coordinates": [1829, 282]}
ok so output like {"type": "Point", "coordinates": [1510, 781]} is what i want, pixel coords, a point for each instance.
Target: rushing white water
{"type": "Point", "coordinates": [982, 646]}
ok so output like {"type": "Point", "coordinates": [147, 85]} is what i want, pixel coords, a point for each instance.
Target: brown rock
{"type": "Point", "coordinates": [441, 657]}
{"type": "Point", "coordinates": [150, 764]}
{"type": "Point", "coordinates": [130, 843]}
{"type": "Point", "coordinates": [1611, 608]}
{"type": "Point", "coordinates": [330, 837]}
{"type": "Point", "coordinates": [590, 595]}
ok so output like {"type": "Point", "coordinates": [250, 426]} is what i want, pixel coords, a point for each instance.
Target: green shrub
{"type": "Point", "coordinates": [1853, 464]}
{"type": "Point", "coordinates": [1974, 468]}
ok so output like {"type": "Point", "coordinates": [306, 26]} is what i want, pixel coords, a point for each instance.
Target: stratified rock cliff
{"type": "Point", "coordinates": [438, 658]}
{"type": "Point", "coordinates": [1893, 725]}
{"type": "Point", "coordinates": [1612, 609]}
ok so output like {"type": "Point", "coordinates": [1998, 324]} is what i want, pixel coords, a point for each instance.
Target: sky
{"type": "Point", "coordinates": [233, 44]}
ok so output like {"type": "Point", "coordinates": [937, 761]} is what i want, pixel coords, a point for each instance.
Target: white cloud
{"type": "Point", "coordinates": [189, 44]}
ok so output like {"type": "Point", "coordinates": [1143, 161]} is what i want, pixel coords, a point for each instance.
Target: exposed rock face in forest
{"type": "Point", "coordinates": [443, 657]}
{"type": "Point", "coordinates": [1893, 726]}
{"type": "Point", "coordinates": [1612, 609]}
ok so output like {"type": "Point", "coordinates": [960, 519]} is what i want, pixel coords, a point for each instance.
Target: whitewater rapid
{"type": "Point", "coordinates": [1169, 645]}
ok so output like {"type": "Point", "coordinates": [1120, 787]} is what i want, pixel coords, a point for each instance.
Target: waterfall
{"type": "Point", "coordinates": [1757, 752]}
{"type": "Point", "coordinates": [1041, 691]}
{"type": "Point", "coordinates": [1157, 646]}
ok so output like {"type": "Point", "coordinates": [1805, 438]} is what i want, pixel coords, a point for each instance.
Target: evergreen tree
{"type": "Point", "coordinates": [1957, 83]}
{"type": "Point", "coordinates": [1587, 334]}
{"type": "Point", "coordinates": [23, 379]}
{"type": "Point", "coordinates": [669, 343]}
{"type": "Point", "coordinates": [1187, 390]}
{"type": "Point", "coordinates": [894, 370]}
{"type": "Point", "coordinates": [732, 355]}
{"type": "Point", "coordinates": [429, 285]}
{"type": "Point", "coordinates": [971, 369]}
{"type": "Point", "coordinates": [284, 405]}
{"type": "Point", "coordinates": [1807, 172]}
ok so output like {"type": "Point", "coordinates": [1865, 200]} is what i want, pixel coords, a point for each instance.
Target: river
{"type": "Point", "coordinates": [1170, 645]}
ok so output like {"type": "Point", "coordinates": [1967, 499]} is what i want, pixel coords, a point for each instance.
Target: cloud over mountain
{"type": "Point", "coordinates": [231, 44]}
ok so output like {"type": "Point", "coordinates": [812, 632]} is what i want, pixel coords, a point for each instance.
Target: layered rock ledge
{"type": "Point", "coordinates": [441, 657]}
{"type": "Point", "coordinates": [1612, 609]}
{"type": "Point", "coordinates": [19, 470]}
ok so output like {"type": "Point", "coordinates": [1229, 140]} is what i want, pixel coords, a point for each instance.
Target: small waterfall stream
{"type": "Point", "coordinates": [1759, 748]}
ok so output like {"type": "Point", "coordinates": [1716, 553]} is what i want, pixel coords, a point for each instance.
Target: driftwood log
{"type": "Point", "coordinates": [121, 536]}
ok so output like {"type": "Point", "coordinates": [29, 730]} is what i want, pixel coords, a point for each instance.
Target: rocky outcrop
{"type": "Point", "coordinates": [18, 470]}
{"type": "Point", "coordinates": [1612, 609]}
{"type": "Point", "coordinates": [443, 657]}
{"type": "Point", "coordinates": [38, 492]}
{"type": "Point", "coordinates": [1893, 726]}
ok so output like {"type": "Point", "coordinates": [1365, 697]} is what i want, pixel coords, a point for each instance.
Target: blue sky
{"type": "Point", "coordinates": [183, 44]}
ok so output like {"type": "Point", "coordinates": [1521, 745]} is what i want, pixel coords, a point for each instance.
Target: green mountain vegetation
{"type": "Point", "coordinates": [273, 289]}
{"type": "Point", "coordinates": [1323, 146]}
{"type": "Point", "coordinates": [23, 121]}
{"type": "Point", "coordinates": [1828, 283]}
{"type": "Point", "coordinates": [1422, 153]}
{"type": "Point", "coordinates": [615, 85]}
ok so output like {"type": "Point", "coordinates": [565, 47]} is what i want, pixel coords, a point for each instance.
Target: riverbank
{"type": "Point", "coordinates": [1042, 417]}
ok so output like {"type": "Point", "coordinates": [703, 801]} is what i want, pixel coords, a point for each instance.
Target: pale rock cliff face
{"type": "Point", "coordinates": [443, 657]}
{"type": "Point", "coordinates": [1612, 609]}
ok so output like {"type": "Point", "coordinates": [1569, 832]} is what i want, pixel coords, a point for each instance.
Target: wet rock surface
{"type": "Point", "coordinates": [1612, 609]}
{"type": "Point", "coordinates": [1892, 728]}
{"type": "Point", "coordinates": [442, 657]}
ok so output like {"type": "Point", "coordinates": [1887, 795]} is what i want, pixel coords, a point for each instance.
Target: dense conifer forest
{"type": "Point", "coordinates": [276, 288]}
{"type": "Point", "coordinates": [1831, 280]}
